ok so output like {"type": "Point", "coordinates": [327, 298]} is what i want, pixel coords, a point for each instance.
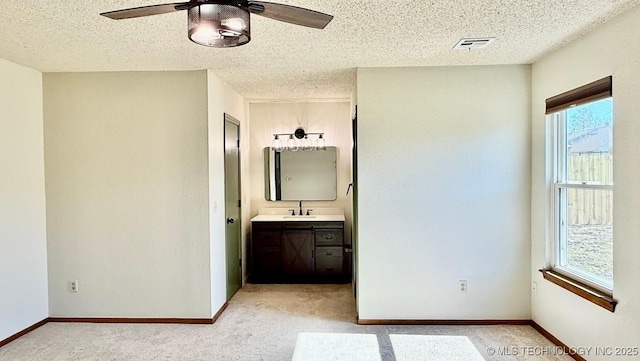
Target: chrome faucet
{"type": "Point", "coordinates": [300, 208]}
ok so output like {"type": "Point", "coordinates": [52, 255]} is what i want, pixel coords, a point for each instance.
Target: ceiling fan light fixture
{"type": "Point", "coordinates": [219, 25]}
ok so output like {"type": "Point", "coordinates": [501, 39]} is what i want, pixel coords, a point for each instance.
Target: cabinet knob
{"type": "Point", "coordinates": [230, 220]}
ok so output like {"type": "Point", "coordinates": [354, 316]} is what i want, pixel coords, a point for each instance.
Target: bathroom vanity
{"type": "Point", "coordinates": [298, 249]}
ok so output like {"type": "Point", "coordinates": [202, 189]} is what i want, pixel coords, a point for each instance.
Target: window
{"type": "Point", "coordinates": [583, 186]}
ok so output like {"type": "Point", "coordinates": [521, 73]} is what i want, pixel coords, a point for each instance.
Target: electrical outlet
{"type": "Point", "coordinates": [73, 286]}
{"type": "Point", "coordinates": [462, 286]}
{"type": "Point", "coordinates": [534, 288]}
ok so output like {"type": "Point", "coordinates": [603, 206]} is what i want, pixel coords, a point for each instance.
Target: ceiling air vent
{"type": "Point", "coordinates": [473, 43]}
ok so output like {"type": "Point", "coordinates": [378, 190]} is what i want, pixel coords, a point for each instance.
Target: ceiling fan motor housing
{"type": "Point", "coordinates": [219, 25]}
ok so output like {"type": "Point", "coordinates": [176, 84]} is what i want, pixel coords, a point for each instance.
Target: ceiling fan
{"type": "Point", "coordinates": [226, 23]}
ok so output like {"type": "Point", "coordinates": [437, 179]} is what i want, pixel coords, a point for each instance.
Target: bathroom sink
{"type": "Point", "coordinates": [290, 217]}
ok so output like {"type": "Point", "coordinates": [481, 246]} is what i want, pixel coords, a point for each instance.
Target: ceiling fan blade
{"type": "Point", "coordinates": [144, 11]}
{"type": "Point", "coordinates": [290, 14]}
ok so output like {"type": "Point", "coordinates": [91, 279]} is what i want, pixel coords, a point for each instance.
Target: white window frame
{"type": "Point", "coordinates": [560, 183]}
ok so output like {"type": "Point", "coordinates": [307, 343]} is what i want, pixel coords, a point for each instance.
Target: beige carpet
{"type": "Point", "coordinates": [364, 347]}
{"type": "Point", "coordinates": [261, 323]}
{"type": "Point", "coordinates": [434, 348]}
{"type": "Point", "coordinates": [336, 347]}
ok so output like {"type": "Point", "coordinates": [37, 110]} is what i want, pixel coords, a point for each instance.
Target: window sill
{"type": "Point", "coordinates": [588, 293]}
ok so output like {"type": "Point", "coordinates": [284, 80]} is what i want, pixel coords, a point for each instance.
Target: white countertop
{"type": "Point", "coordinates": [289, 218]}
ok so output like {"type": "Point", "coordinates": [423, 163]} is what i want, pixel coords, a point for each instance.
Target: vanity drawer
{"type": "Point", "coordinates": [328, 237]}
{"type": "Point", "coordinates": [328, 261]}
{"type": "Point", "coordinates": [266, 238]}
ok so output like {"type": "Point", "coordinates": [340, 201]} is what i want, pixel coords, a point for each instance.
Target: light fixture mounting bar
{"type": "Point", "coordinates": [274, 134]}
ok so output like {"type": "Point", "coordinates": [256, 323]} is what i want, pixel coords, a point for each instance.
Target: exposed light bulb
{"type": "Point", "coordinates": [205, 33]}
{"type": "Point", "coordinates": [306, 143]}
{"type": "Point", "coordinates": [276, 144]}
{"type": "Point", "coordinates": [320, 143]}
{"type": "Point", "coordinates": [291, 144]}
{"type": "Point", "coordinates": [236, 24]}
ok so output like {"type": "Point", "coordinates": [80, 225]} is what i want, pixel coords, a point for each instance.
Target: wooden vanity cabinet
{"type": "Point", "coordinates": [297, 252]}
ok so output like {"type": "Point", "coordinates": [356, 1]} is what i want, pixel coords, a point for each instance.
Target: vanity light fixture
{"type": "Point", "coordinates": [298, 140]}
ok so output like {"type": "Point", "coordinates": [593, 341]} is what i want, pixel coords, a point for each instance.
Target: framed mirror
{"type": "Point", "coordinates": [301, 175]}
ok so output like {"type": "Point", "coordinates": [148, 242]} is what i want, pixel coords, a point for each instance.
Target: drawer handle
{"type": "Point", "coordinates": [329, 253]}
{"type": "Point", "coordinates": [328, 236]}
{"type": "Point", "coordinates": [330, 269]}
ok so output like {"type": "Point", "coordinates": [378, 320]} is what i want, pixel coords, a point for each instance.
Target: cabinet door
{"type": "Point", "coordinates": [266, 253]}
{"type": "Point", "coordinates": [297, 252]}
{"type": "Point", "coordinates": [267, 263]}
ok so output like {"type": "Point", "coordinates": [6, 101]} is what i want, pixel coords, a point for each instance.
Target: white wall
{"type": "Point", "coordinates": [605, 51]}
{"type": "Point", "coordinates": [444, 179]}
{"type": "Point", "coordinates": [127, 194]}
{"type": "Point", "coordinates": [332, 117]}
{"type": "Point", "coordinates": [222, 99]}
{"type": "Point", "coordinates": [23, 247]}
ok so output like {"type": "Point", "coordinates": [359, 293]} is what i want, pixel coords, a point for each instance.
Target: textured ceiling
{"type": "Point", "coordinates": [285, 61]}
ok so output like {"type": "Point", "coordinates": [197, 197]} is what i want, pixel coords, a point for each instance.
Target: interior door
{"type": "Point", "coordinates": [232, 204]}
{"type": "Point", "coordinates": [354, 205]}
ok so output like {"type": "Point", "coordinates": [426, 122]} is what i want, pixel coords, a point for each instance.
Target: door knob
{"type": "Point", "coordinates": [230, 220]}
